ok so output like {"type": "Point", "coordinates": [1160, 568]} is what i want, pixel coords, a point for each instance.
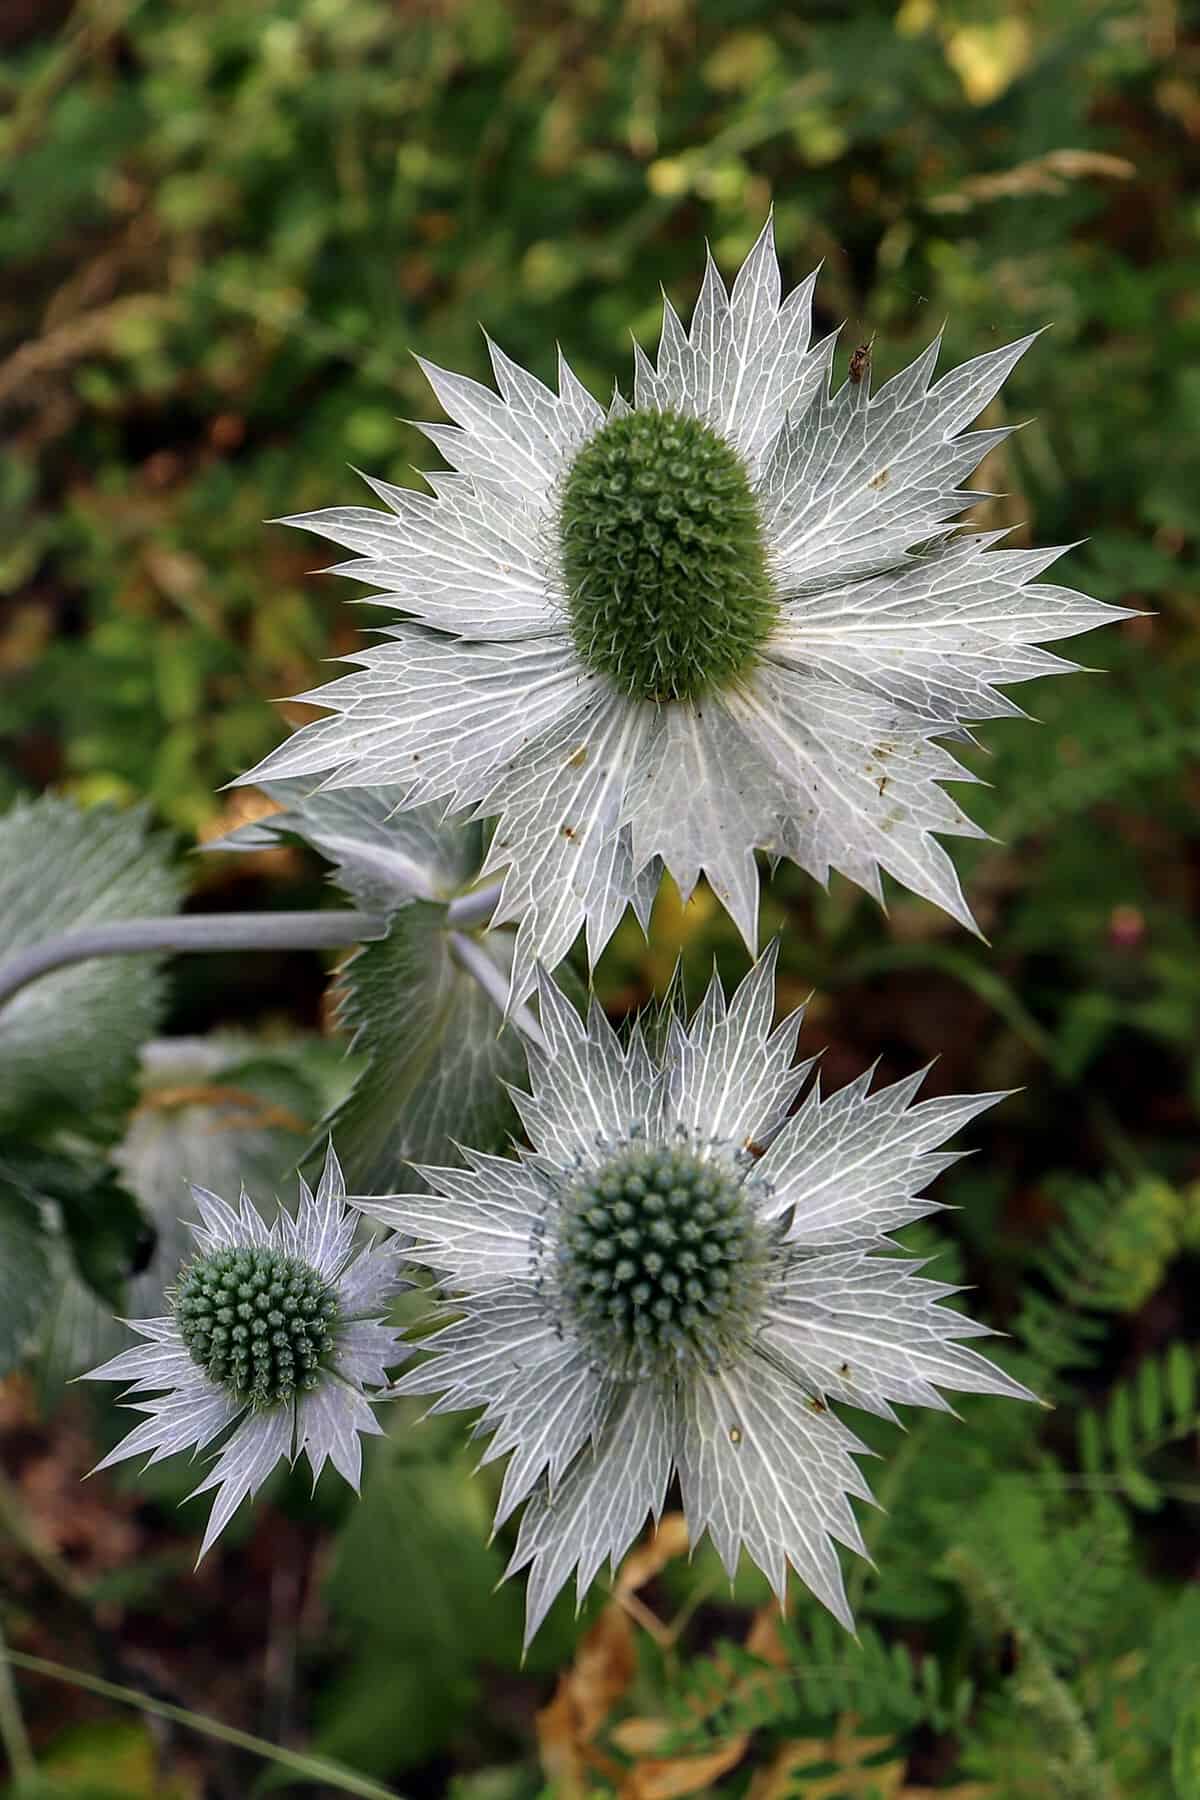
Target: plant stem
{"type": "Point", "coordinates": [214, 932]}
{"type": "Point", "coordinates": [469, 910]}
{"type": "Point", "coordinates": [195, 932]}
{"type": "Point", "coordinates": [471, 956]}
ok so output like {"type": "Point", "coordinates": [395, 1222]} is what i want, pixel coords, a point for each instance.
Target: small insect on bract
{"type": "Point", "coordinates": [860, 362]}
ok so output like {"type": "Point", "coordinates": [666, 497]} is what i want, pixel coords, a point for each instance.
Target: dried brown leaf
{"type": "Point", "coordinates": [854, 1777]}
{"type": "Point", "coordinates": [641, 1565]}
{"type": "Point", "coordinates": [1048, 174]}
{"type": "Point", "coordinates": [662, 1778]}
{"type": "Point", "coordinates": [586, 1694]}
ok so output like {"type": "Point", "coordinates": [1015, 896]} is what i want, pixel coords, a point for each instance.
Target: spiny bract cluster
{"type": "Point", "coordinates": [663, 557]}
{"type": "Point", "coordinates": [648, 638]}
{"type": "Point", "coordinates": [256, 1321]}
{"type": "Point", "coordinates": [734, 616]}
{"type": "Point", "coordinates": [303, 1384]}
{"type": "Point", "coordinates": [659, 1258]}
{"type": "Point", "coordinates": [745, 1417]}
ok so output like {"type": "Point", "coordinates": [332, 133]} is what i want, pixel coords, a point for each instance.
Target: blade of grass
{"type": "Point", "coordinates": [13, 1734]}
{"type": "Point", "coordinates": [990, 987]}
{"type": "Point", "coordinates": [311, 1768]}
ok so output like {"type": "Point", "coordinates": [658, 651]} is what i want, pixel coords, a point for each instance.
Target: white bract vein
{"type": "Point", "coordinates": [324, 1419]}
{"type": "Point", "coordinates": [649, 1291]}
{"type": "Point", "coordinates": [878, 628]}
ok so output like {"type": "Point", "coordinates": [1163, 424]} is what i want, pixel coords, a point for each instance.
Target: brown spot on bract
{"type": "Point", "coordinates": [735, 1435]}
{"type": "Point", "coordinates": [845, 1369]}
{"type": "Point", "coordinates": [580, 757]}
{"type": "Point", "coordinates": [882, 784]}
{"type": "Point", "coordinates": [754, 1149]}
{"type": "Point", "coordinates": [816, 1405]}
{"type": "Point", "coordinates": [568, 831]}
{"type": "Point", "coordinates": [881, 479]}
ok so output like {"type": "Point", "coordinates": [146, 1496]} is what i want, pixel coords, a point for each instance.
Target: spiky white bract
{"type": "Point", "coordinates": [728, 1376]}
{"type": "Point", "coordinates": [189, 1410]}
{"type": "Point", "coordinates": [891, 629]}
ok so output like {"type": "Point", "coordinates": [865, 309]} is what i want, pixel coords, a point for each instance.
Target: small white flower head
{"type": "Point", "coordinates": [732, 616]}
{"type": "Point", "coordinates": [276, 1330]}
{"type": "Point", "coordinates": [678, 1278]}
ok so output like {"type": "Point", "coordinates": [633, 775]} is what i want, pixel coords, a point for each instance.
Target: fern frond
{"type": "Point", "coordinates": [1103, 774]}
{"type": "Point", "coordinates": [1107, 1254]}
{"type": "Point", "coordinates": [815, 1673]}
{"type": "Point", "coordinates": [1049, 1720]}
{"type": "Point", "coordinates": [1159, 1406]}
{"type": "Point", "coordinates": [1113, 1244]}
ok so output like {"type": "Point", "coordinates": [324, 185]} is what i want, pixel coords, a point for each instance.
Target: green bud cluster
{"type": "Point", "coordinates": [257, 1321]}
{"type": "Point", "coordinates": [660, 1259]}
{"type": "Point", "coordinates": [663, 557]}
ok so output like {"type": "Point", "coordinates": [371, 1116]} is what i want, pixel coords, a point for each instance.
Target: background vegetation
{"type": "Point", "coordinates": [225, 225]}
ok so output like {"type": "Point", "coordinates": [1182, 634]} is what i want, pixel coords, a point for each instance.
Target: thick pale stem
{"type": "Point", "coordinates": [196, 932]}
{"type": "Point", "coordinates": [472, 956]}
{"type": "Point", "coordinates": [474, 909]}
{"type": "Point", "coordinates": [214, 932]}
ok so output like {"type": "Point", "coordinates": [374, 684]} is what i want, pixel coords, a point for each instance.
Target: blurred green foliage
{"type": "Point", "coordinates": [224, 228]}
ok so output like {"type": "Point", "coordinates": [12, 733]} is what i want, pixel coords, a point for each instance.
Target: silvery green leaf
{"type": "Point", "coordinates": [217, 1112]}
{"type": "Point", "coordinates": [381, 856]}
{"type": "Point", "coordinates": [562, 1263]}
{"type": "Point", "coordinates": [437, 1053]}
{"type": "Point", "coordinates": [542, 1396]}
{"type": "Point", "coordinates": [26, 1273]}
{"type": "Point", "coordinates": [852, 1166]}
{"type": "Point", "coordinates": [887, 635]}
{"type": "Point", "coordinates": [69, 1040]}
{"type": "Point", "coordinates": [891, 630]}
{"type": "Point", "coordinates": [589, 1088]}
{"type": "Point", "coordinates": [563, 806]}
{"type": "Point", "coordinates": [221, 1113]}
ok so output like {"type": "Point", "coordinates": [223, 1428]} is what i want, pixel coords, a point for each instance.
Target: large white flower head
{"type": "Point", "coordinates": [278, 1327]}
{"type": "Point", "coordinates": [730, 617]}
{"type": "Point", "coordinates": [679, 1278]}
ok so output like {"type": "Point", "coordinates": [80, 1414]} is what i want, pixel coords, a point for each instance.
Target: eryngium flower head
{"type": "Point", "coordinates": [275, 1329]}
{"type": "Point", "coordinates": [679, 1278]}
{"type": "Point", "coordinates": [730, 617]}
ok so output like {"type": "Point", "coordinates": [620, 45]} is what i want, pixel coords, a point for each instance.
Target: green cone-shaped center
{"type": "Point", "coordinates": [257, 1322]}
{"type": "Point", "coordinates": [663, 557]}
{"type": "Point", "coordinates": [660, 1259]}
